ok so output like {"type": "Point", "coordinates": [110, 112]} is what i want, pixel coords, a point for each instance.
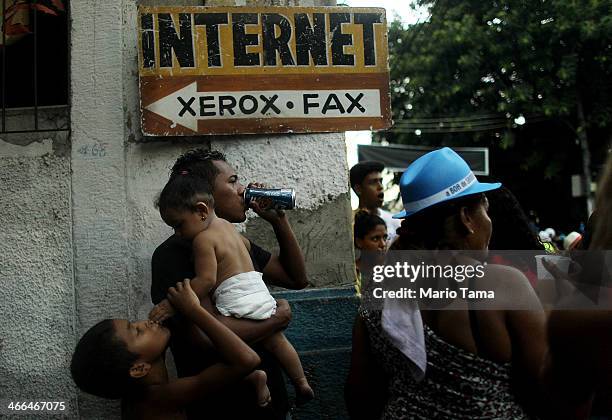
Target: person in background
{"type": "Point", "coordinates": [370, 233]}
{"type": "Point", "coordinates": [408, 363]}
{"type": "Point", "coordinates": [366, 181]}
{"type": "Point", "coordinates": [571, 241]}
{"type": "Point", "coordinates": [547, 236]}
{"type": "Point", "coordinates": [172, 262]}
{"type": "Point", "coordinates": [579, 368]}
{"type": "Point", "coordinates": [534, 221]}
{"type": "Point", "coordinates": [512, 231]}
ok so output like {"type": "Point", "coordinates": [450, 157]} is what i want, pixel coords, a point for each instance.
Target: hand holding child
{"type": "Point", "coordinates": [183, 298]}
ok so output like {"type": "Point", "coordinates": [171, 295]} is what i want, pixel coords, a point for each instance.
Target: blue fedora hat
{"type": "Point", "coordinates": [436, 177]}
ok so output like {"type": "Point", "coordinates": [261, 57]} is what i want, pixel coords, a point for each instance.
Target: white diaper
{"type": "Point", "coordinates": [245, 295]}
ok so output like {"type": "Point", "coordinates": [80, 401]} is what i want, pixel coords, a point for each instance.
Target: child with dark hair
{"type": "Point", "coordinates": [223, 266]}
{"type": "Point", "coordinates": [121, 359]}
{"type": "Point", "coordinates": [370, 231]}
{"type": "Point", "coordinates": [101, 362]}
{"type": "Point", "coordinates": [370, 236]}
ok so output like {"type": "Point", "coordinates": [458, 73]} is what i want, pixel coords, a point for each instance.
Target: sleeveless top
{"type": "Point", "coordinates": [457, 383]}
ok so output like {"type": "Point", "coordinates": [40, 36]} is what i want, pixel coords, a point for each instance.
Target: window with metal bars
{"type": "Point", "coordinates": [34, 66]}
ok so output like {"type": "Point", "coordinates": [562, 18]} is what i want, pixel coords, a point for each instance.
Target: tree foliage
{"type": "Point", "coordinates": [530, 80]}
{"type": "Point", "coordinates": [468, 74]}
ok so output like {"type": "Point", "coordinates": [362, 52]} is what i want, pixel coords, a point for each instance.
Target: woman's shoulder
{"type": "Point", "coordinates": [511, 287]}
{"type": "Point", "coordinates": [505, 274]}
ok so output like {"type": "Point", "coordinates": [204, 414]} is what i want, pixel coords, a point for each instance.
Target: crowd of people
{"type": "Point", "coordinates": [461, 361]}
{"type": "Point", "coordinates": [409, 360]}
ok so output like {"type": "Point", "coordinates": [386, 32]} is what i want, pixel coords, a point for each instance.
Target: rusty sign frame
{"type": "Point", "coordinates": [249, 70]}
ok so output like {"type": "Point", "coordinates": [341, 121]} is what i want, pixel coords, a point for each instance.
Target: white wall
{"type": "Point", "coordinates": [78, 221]}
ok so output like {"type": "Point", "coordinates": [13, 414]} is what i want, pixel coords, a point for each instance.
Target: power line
{"type": "Point", "coordinates": [400, 130]}
{"type": "Point", "coordinates": [485, 126]}
{"type": "Point", "coordinates": [470, 118]}
{"type": "Point", "coordinates": [435, 124]}
{"type": "Point", "coordinates": [458, 118]}
{"type": "Point", "coordinates": [460, 122]}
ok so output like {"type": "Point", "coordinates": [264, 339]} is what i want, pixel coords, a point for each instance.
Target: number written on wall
{"type": "Point", "coordinates": [93, 150]}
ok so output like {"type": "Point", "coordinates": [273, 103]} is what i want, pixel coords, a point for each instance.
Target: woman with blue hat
{"type": "Point", "coordinates": [459, 363]}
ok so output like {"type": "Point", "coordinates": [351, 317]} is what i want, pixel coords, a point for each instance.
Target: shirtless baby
{"type": "Point", "coordinates": [223, 266]}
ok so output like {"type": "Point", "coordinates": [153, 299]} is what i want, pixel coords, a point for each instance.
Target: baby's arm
{"type": "Point", "coordinates": [202, 284]}
{"type": "Point", "coordinates": [239, 358]}
{"type": "Point", "coordinates": [205, 262]}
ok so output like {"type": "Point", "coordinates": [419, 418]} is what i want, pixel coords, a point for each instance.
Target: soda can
{"type": "Point", "coordinates": [282, 198]}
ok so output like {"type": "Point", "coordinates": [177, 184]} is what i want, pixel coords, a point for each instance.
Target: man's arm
{"type": "Point", "coordinates": [248, 330]}
{"type": "Point", "coordinates": [287, 269]}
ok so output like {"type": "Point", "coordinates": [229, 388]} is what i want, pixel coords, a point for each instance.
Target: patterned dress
{"type": "Point", "coordinates": [457, 384]}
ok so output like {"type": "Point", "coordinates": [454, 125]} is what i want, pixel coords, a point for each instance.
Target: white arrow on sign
{"type": "Point", "coordinates": [186, 106]}
{"type": "Point", "coordinates": [167, 107]}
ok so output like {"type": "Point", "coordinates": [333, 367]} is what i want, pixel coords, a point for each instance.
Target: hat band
{"type": "Point", "coordinates": [443, 195]}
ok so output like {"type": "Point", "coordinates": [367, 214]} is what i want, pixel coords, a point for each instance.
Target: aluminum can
{"type": "Point", "coordinates": [282, 198]}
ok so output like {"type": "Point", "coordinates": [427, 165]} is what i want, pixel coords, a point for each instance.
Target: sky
{"type": "Point", "coordinates": [401, 10]}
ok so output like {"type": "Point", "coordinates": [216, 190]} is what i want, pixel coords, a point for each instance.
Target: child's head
{"type": "Point", "coordinates": [370, 232]}
{"type": "Point", "coordinates": [200, 162]}
{"type": "Point", "coordinates": [114, 353]}
{"type": "Point", "coordinates": [185, 203]}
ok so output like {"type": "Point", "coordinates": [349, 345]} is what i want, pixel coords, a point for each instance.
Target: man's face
{"type": "Point", "coordinates": [370, 191]}
{"type": "Point", "coordinates": [228, 194]}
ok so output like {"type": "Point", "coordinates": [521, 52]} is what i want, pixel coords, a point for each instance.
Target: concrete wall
{"type": "Point", "coordinates": [36, 271]}
{"type": "Point", "coordinates": [325, 352]}
{"type": "Point", "coordinates": [78, 221]}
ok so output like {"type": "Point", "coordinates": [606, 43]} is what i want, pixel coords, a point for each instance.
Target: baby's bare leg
{"type": "Point", "coordinates": [278, 345]}
{"type": "Point", "coordinates": [258, 379]}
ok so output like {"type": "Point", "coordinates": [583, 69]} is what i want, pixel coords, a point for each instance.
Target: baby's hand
{"type": "Point", "coordinates": [183, 297]}
{"type": "Point", "coordinates": [162, 311]}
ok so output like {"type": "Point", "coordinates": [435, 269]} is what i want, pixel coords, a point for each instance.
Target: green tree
{"type": "Point", "coordinates": [532, 78]}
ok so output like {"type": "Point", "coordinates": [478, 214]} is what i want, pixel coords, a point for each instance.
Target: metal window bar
{"type": "Point", "coordinates": [3, 66]}
{"type": "Point", "coordinates": [35, 78]}
{"type": "Point", "coordinates": [35, 34]}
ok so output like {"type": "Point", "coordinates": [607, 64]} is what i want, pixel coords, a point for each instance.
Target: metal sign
{"type": "Point", "coordinates": [230, 70]}
{"type": "Point", "coordinates": [397, 157]}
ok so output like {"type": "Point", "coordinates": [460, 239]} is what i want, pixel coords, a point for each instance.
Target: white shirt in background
{"type": "Point", "coordinates": [392, 224]}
